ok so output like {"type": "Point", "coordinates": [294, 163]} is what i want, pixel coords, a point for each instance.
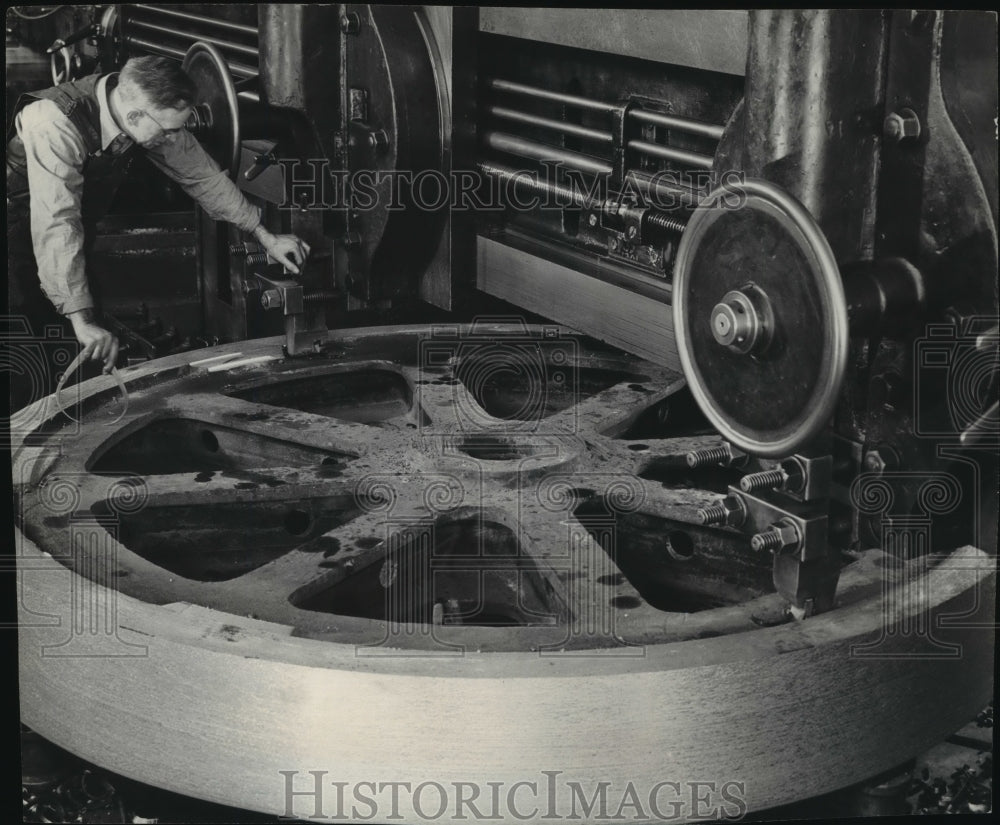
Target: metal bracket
{"type": "Point", "coordinates": [805, 567]}
{"type": "Point", "coordinates": [305, 327]}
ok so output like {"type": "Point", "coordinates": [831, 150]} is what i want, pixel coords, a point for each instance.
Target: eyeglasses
{"type": "Point", "coordinates": [168, 132]}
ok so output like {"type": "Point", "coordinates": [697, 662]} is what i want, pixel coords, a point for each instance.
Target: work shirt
{"type": "Point", "coordinates": [55, 155]}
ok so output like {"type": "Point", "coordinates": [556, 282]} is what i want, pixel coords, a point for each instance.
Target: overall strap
{"type": "Point", "coordinates": [78, 101]}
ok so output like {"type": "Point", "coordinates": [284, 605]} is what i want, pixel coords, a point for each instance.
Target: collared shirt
{"type": "Point", "coordinates": [55, 155]}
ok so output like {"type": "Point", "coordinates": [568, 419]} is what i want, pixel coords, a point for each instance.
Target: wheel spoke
{"type": "Point", "coordinates": [677, 503]}
{"type": "Point", "coordinates": [450, 406]}
{"type": "Point", "coordinates": [610, 411]}
{"type": "Point", "coordinates": [638, 453]}
{"type": "Point", "coordinates": [277, 423]}
{"type": "Point", "coordinates": [246, 486]}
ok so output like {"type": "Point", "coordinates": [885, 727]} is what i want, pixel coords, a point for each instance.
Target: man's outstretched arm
{"type": "Point", "coordinates": [184, 160]}
{"type": "Point", "coordinates": [55, 155]}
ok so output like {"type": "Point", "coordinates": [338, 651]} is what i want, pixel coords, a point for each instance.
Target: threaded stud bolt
{"type": "Point", "coordinates": [766, 480]}
{"type": "Point", "coordinates": [712, 455]}
{"type": "Point", "coordinates": [716, 514]}
{"type": "Point", "coordinates": [766, 542]}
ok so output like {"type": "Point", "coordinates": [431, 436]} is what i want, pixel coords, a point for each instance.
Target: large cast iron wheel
{"type": "Point", "coordinates": [448, 555]}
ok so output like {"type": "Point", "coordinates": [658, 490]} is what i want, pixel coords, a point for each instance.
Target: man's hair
{"type": "Point", "coordinates": [162, 80]}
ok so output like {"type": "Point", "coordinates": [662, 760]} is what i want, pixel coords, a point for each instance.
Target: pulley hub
{"type": "Point", "coordinates": [742, 320]}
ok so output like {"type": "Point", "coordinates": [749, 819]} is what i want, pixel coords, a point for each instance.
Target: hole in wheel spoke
{"type": "Point", "coordinates": [462, 571]}
{"type": "Point", "coordinates": [679, 544]}
{"type": "Point", "coordinates": [297, 522]}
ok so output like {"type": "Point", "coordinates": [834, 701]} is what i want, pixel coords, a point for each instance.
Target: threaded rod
{"type": "Point", "coordinates": [716, 514]}
{"type": "Point", "coordinates": [711, 455]}
{"type": "Point", "coordinates": [658, 220]}
{"type": "Point", "coordinates": [766, 480]}
{"type": "Point", "coordinates": [769, 541]}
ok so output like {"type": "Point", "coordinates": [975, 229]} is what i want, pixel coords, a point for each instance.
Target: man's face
{"type": "Point", "coordinates": [151, 126]}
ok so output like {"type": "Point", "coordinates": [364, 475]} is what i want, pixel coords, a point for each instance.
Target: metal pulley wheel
{"type": "Point", "coordinates": [215, 120]}
{"type": "Point", "coordinates": [760, 318]}
{"type": "Point", "coordinates": [109, 40]}
{"type": "Point", "coordinates": [61, 64]}
{"type": "Point", "coordinates": [427, 548]}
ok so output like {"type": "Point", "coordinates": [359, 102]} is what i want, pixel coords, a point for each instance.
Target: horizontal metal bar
{"type": "Point", "coordinates": [540, 122]}
{"type": "Point", "coordinates": [246, 51]}
{"type": "Point", "coordinates": [658, 223]}
{"type": "Point", "coordinates": [556, 97]}
{"type": "Point", "coordinates": [655, 150]}
{"type": "Point", "coordinates": [539, 151]}
{"type": "Point", "coordinates": [680, 124]}
{"type": "Point", "coordinates": [238, 69]}
{"type": "Point", "coordinates": [653, 188]}
{"type": "Point", "coordinates": [249, 96]}
{"type": "Point", "coordinates": [158, 48]}
{"type": "Point", "coordinates": [518, 177]}
{"type": "Point", "coordinates": [176, 14]}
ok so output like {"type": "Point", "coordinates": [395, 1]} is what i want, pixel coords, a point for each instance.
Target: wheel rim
{"type": "Point", "coordinates": [214, 690]}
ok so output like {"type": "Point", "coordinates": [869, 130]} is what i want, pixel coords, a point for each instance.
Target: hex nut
{"type": "Point", "coordinates": [270, 299]}
{"type": "Point", "coordinates": [901, 125]}
{"type": "Point", "coordinates": [789, 534]}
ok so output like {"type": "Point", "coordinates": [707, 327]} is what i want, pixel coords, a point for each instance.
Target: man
{"type": "Point", "coordinates": [68, 151]}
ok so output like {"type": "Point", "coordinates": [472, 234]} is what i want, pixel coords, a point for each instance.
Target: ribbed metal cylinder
{"type": "Point", "coordinates": [664, 222]}
{"type": "Point", "coordinates": [765, 480]}
{"type": "Point", "coordinates": [766, 542]}
{"type": "Point", "coordinates": [713, 455]}
{"type": "Point", "coordinates": [716, 514]}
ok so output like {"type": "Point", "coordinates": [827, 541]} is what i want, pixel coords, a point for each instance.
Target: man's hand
{"type": "Point", "coordinates": [288, 250]}
{"type": "Point", "coordinates": [98, 344]}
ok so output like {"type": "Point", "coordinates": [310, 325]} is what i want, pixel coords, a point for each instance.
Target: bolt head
{"type": "Point", "coordinates": [788, 532]}
{"type": "Point", "coordinates": [379, 141]}
{"type": "Point", "coordinates": [632, 233]}
{"type": "Point", "coordinates": [350, 23]}
{"type": "Point", "coordinates": [270, 299]}
{"type": "Point", "coordinates": [874, 463]}
{"type": "Point", "coordinates": [892, 128]}
{"type": "Point", "coordinates": [592, 219]}
{"type": "Point", "coordinates": [736, 511]}
{"type": "Point", "coordinates": [901, 125]}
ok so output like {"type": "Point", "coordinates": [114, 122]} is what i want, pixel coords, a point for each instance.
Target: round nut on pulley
{"type": "Point", "coordinates": [742, 320]}
{"type": "Point", "coordinates": [215, 120]}
{"type": "Point", "coordinates": [760, 318]}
